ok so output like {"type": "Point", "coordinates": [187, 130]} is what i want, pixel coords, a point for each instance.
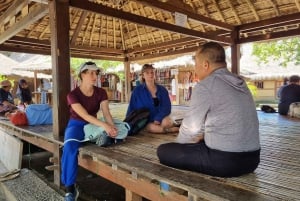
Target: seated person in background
{"type": "Point", "coordinates": [155, 98]}
{"type": "Point", "coordinates": [219, 133]}
{"type": "Point", "coordinates": [289, 94]}
{"type": "Point", "coordinates": [24, 93]}
{"type": "Point", "coordinates": [5, 96]}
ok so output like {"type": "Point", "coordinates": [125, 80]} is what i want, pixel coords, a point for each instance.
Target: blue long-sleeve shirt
{"type": "Point", "coordinates": [141, 98]}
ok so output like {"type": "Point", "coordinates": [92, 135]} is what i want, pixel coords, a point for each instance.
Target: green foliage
{"type": "Point", "coordinates": [252, 88]}
{"type": "Point", "coordinates": [286, 50]}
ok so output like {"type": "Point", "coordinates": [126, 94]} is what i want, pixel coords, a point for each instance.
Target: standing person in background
{"type": "Point", "coordinates": [84, 101]}
{"type": "Point", "coordinates": [155, 98]}
{"type": "Point", "coordinates": [24, 93]}
{"type": "Point", "coordinates": [6, 97]}
{"type": "Point", "coordinates": [219, 133]}
{"type": "Point", "coordinates": [285, 82]}
{"type": "Point", "coordinates": [289, 94]}
{"type": "Point", "coordinates": [173, 88]}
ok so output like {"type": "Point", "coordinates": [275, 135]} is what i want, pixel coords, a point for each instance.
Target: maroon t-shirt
{"type": "Point", "coordinates": [90, 103]}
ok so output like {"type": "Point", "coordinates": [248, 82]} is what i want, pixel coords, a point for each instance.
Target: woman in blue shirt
{"type": "Point", "coordinates": [155, 98]}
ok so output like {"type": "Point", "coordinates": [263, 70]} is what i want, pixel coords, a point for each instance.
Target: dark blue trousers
{"type": "Point", "coordinates": [200, 158]}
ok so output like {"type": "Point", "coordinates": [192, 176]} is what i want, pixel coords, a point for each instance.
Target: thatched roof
{"type": "Point", "coordinates": [144, 29]}
{"type": "Point", "coordinates": [9, 68]}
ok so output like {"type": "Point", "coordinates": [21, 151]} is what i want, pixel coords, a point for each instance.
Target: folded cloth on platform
{"type": "Point", "coordinates": [98, 135]}
{"type": "Point", "coordinates": [39, 114]}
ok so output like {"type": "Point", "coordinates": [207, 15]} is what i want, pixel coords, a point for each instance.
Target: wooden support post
{"type": "Point", "coordinates": [60, 51]}
{"type": "Point", "coordinates": [235, 52]}
{"type": "Point", "coordinates": [127, 80]}
{"type": "Point", "coordinates": [131, 196]}
{"type": "Point", "coordinates": [177, 90]}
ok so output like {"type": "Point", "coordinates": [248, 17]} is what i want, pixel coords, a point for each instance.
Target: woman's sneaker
{"type": "Point", "coordinates": [72, 196]}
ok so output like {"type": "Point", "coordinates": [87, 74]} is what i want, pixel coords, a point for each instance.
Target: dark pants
{"type": "Point", "coordinates": [200, 158]}
{"type": "Point", "coordinates": [283, 108]}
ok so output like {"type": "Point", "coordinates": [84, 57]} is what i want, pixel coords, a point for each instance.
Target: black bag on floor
{"type": "Point", "coordinates": [137, 120]}
{"type": "Point", "coordinates": [267, 109]}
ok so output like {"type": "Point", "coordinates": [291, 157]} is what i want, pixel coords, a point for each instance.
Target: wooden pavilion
{"type": "Point", "coordinates": [133, 30]}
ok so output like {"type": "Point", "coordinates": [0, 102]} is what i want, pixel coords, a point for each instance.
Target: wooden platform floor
{"type": "Point", "coordinates": [278, 174]}
{"type": "Point", "coordinates": [276, 178]}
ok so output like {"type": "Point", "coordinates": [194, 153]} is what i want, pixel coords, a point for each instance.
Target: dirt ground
{"type": "Point", "coordinates": [91, 186]}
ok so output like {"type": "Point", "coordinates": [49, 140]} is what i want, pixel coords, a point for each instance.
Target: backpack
{"type": "Point", "coordinates": [294, 110]}
{"type": "Point", "coordinates": [137, 120]}
{"type": "Point", "coordinates": [267, 109]}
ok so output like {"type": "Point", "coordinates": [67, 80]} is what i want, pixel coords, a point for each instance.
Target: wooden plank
{"type": "Point", "coordinates": [138, 185]}
{"type": "Point", "coordinates": [196, 184]}
{"type": "Point", "coordinates": [11, 149]}
{"type": "Point", "coordinates": [131, 196]}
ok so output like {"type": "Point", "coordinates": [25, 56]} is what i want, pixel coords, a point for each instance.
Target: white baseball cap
{"type": "Point", "coordinates": [88, 66]}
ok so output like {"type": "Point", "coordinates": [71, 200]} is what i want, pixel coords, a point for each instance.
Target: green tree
{"type": "Point", "coordinates": [286, 50]}
{"type": "Point", "coordinates": [252, 88]}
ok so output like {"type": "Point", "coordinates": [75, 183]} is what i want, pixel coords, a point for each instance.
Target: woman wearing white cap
{"type": "Point", "coordinates": [84, 101]}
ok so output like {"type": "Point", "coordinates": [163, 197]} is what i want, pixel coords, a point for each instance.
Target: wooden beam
{"type": "Point", "coordinates": [104, 10]}
{"type": "Point", "coordinates": [270, 27]}
{"type": "Point", "coordinates": [46, 43]}
{"type": "Point", "coordinates": [40, 1]}
{"type": "Point", "coordinates": [171, 7]}
{"type": "Point", "coordinates": [96, 49]}
{"type": "Point", "coordinates": [269, 23]}
{"type": "Point", "coordinates": [36, 14]}
{"type": "Point", "coordinates": [271, 36]}
{"type": "Point", "coordinates": [162, 45]}
{"type": "Point", "coordinates": [27, 49]}
{"type": "Point", "coordinates": [12, 11]}
{"type": "Point", "coordinates": [46, 51]}
{"type": "Point", "coordinates": [28, 41]}
{"type": "Point", "coordinates": [158, 55]}
{"type": "Point", "coordinates": [78, 27]}
{"type": "Point", "coordinates": [175, 43]}
{"type": "Point", "coordinates": [96, 56]}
